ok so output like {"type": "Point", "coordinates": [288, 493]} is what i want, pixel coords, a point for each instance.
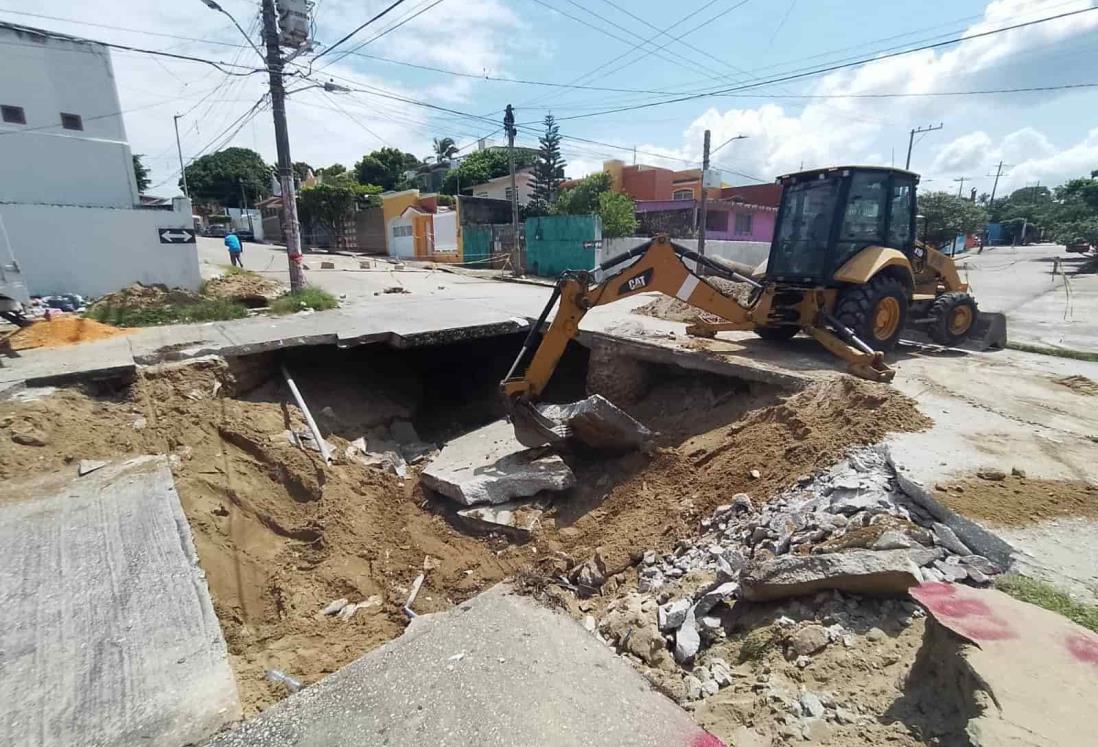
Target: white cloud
{"type": "Point", "coordinates": [967, 153]}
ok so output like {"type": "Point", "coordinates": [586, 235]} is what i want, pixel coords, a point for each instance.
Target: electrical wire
{"type": "Point", "coordinates": [380, 15]}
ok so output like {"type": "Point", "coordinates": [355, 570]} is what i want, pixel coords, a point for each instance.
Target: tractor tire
{"type": "Point", "coordinates": [876, 311]}
{"type": "Point", "coordinates": [953, 317]}
{"type": "Point", "coordinates": [777, 334]}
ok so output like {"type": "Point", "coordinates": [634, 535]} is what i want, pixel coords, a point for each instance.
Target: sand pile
{"type": "Point", "coordinates": [1018, 501]}
{"type": "Point", "coordinates": [674, 310]}
{"type": "Point", "coordinates": [248, 288]}
{"type": "Point", "coordinates": [64, 330]}
{"type": "Point", "coordinates": [140, 296]}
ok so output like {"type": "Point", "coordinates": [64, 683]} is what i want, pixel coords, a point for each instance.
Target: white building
{"type": "Point", "coordinates": [69, 204]}
{"type": "Point", "coordinates": [500, 187]}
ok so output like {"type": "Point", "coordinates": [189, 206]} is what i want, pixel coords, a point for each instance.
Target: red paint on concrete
{"type": "Point", "coordinates": [972, 618]}
{"type": "Point", "coordinates": [705, 739]}
{"type": "Point", "coordinates": [1083, 648]}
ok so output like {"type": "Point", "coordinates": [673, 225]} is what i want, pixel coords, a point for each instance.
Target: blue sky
{"type": "Point", "coordinates": [1043, 136]}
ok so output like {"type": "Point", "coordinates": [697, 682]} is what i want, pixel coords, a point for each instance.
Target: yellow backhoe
{"type": "Point", "coordinates": [844, 267]}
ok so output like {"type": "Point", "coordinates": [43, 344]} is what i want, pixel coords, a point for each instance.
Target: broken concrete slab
{"type": "Point", "coordinates": [489, 465]}
{"type": "Point", "coordinates": [884, 572]}
{"type": "Point", "coordinates": [1023, 675]}
{"type": "Point", "coordinates": [107, 632]}
{"type": "Point", "coordinates": [595, 421]}
{"type": "Point", "coordinates": [513, 517]}
{"type": "Point", "coordinates": [87, 466]}
{"type": "Point", "coordinates": [529, 675]}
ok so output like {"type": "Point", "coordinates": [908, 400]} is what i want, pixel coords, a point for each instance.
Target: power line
{"type": "Point", "coordinates": [125, 29]}
{"type": "Point", "coordinates": [820, 71]}
{"type": "Point", "coordinates": [382, 33]}
{"type": "Point", "coordinates": [356, 30]}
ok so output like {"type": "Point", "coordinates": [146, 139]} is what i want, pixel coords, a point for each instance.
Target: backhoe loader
{"type": "Point", "coordinates": [844, 267]}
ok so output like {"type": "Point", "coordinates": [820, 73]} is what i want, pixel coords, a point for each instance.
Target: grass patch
{"type": "Point", "coordinates": [206, 310]}
{"type": "Point", "coordinates": [308, 298]}
{"type": "Point", "coordinates": [756, 644]}
{"type": "Point", "coordinates": [1047, 596]}
{"type": "Point", "coordinates": [1078, 355]}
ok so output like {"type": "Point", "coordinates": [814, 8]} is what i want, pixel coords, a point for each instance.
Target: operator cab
{"type": "Point", "coordinates": [828, 215]}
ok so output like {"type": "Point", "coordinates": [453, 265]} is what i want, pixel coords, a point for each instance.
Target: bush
{"type": "Point", "coordinates": [206, 310]}
{"type": "Point", "coordinates": [309, 298]}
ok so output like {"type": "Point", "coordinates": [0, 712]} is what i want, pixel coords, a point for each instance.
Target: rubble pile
{"type": "Point", "coordinates": [849, 531]}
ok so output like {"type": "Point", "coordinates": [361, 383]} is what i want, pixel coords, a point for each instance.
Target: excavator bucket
{"type": "Point", "coordinates": [594, 422]}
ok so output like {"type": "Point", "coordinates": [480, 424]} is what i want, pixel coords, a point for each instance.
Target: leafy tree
{"type": "Point", "coordinates": [301, 170]}
{"type": "Point", "coordinates": [141, 173]}
{"type": "Point", "coordinates": [329, 171]}
{"type": "Point", "coordinates": [583, 199]}
{"type": "Point", "coordinates": [618, 215]}
{"type": "Point", "coordinates": [482, 165]}
{"type": "Point", "coordinates": [948, 215]}
{"type": "Point", "coordinates": [549, 166]}
{"type": "Point", "coordinates": [331, 202]}
{"type": "Point", "coordinates": [218, 177]}
{"type": "Point", "coordinates": [385, 167]}
{"type": "Point", "coordinates": [1077, 231]}
{"type": "Point", "coordinates": [1076, 191]}
{"type": "Point", "coordinates": [444, 149]}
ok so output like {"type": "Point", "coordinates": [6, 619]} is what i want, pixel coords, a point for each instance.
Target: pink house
{"type": "Point", "coordinates": [727, 219]}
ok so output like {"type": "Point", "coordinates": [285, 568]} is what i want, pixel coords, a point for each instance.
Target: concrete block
{"type": "Point", "coordinates": [597, 422]}
{"type": "Point", "coordinates": [518, 517]}
{"type": "Point", "coordinates": [855, 571]}
{"type": "Point", "coordinates": [489, 465]}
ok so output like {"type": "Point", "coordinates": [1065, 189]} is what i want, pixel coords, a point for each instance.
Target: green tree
{"type": "Point", "coordinates": [618, 215]}
{"type": "Point", "coordinates": [482, 165]}
{"type": "Point", "coordinates": [141, 173]}
{"type": "Point", "coordinates": [948, 215]}
{"type": "Point", "coordinates": [444, 149]}
{"type": "Point", "coordinates": [329, 171]}
{"type": "Point", "coordinates": [1072, 232]}
{"type": "Point", "coordinates": [385, 167]}
{"type": "Point", "coordinates": [331, 203]}
{"type": "Point", "coordinates": [548, 167]}
{"type": "Point", "coordinates": [301, 170]}
{"type": "Point", "coordinates": [1079, 192]}
{"type": "Point", "coordinates": [583, 199]}
{"type": "Point", "coordinates": [217, 177]}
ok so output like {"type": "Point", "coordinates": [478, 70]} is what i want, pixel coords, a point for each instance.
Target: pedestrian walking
{"type": "Point", "coordinates": [236, 250]}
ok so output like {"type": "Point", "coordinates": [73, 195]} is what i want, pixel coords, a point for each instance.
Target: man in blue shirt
{"type": "Point", "coordinates": [235, 250]}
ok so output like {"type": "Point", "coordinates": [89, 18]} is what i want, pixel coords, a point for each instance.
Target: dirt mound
{"type": "Point", "coordinates": [246, 287]}
{"type": "Point", "coordinates": [1080, 384]}
{"type": "Point", "coordinates": [139, 296]}
{"type": "Point", "coordinates": [674, 310]}
{"type": "Point", "coordinates": [1017, 501]}
{"type": "Point", "coordinates": [653, 503]}
{"type": "Point", "coordinates": [64, 330]}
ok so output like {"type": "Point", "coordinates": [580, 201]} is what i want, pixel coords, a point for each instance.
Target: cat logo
{"type": "Point", "coordinates": [640, 282]}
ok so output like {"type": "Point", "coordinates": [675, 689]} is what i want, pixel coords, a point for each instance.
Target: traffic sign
{"type": "Point", "coordinates": [176, 235]}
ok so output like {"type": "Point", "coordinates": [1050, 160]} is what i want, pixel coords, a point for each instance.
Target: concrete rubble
{"type": "Point", "coordinates": [489, 465]}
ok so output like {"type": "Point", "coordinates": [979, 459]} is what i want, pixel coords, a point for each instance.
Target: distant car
{"type": "Point", "coordinates": [245, 235]}
{"type": "Point", "coordinates": [217, 231]}
{"type": "Point", "coordinates": [1078, 247]}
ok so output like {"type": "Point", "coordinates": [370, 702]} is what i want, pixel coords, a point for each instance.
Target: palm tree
{"type": "Point", "coordinates": [445, 149]}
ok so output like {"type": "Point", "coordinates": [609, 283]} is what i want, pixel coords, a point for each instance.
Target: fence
{"type": "Point", "coordinates": [556, 243]}
{"type": "Point", "coordinates": [748, 252]}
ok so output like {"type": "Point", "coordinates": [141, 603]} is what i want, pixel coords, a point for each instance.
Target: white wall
{"type": "Point", "coordinates": [446, 241]}
{"type": "Point", "coordinates": [496, 189]}
{"type": "Point", "coordinates": [40, 162]}
{"type": "Point", "coordinates": [92, 251]}
{"type": "Point", "coordinates": [748, 252]}
{"type": "Point", "coordinates": [401, 246]}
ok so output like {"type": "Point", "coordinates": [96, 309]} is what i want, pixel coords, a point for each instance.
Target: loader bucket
{"type": "Point", "coordinates": [594, 422]}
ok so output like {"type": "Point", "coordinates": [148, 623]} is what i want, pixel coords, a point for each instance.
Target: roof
{"type": "Point", "coordinates": [800, 176]}
{"type": "Point", "coordinates": [526, 170]}
{"type": "Point", "coordinates": [46, 34]}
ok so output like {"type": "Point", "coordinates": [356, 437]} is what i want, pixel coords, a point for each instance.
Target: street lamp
{"type": "Point", "coordinates": [214, 6]}
{"type": "Point", "coordinates": [328, 86]}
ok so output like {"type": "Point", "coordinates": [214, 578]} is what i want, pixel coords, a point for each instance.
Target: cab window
{"type": "Point", "coordinates": [899, 222]}
{"type": "Point", "coordinates": [864, 217]}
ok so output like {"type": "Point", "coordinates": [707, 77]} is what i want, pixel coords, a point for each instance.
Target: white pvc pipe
{"type": "Point", "coordinates": [321, 444]}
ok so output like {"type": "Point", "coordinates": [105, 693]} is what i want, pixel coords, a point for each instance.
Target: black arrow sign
{"type": "Point", "coordinates": [176, 235]}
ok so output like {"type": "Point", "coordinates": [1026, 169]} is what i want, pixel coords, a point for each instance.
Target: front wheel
{"type": "Point", "coordinates": [953, 316]}
{"type": "Point", "coordinates": [876, 311]}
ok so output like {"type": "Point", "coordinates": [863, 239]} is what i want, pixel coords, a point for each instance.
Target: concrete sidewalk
{"type": "Point", "coordinates": [497, 670]}
{"type": "Point", "coordinates": [107, 632]}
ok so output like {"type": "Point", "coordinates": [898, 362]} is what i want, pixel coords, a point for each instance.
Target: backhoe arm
{"type": "Point", "coordinates": [660, 267]}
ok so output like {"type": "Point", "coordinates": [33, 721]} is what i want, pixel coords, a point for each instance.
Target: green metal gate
{"type": "Point", "coordinates": [556, 243]}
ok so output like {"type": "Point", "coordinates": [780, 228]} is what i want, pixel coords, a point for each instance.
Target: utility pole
{"type": "Point", "coordinates": [282, 144]}
{"type": "Point", "coordinates": [704, 198]}
{"type": "Point", "coordinates": [911, 141]}
{"type": "Point", "coordinates": [961, 186]}
{"type": "Point", "coordinates": [179, 149]}
{"type": "Point", "coordinates": [516, 252]}
{"type": "Point", "coordinates": [995, 185]}
{"type": "Point", "coordinates": [244, 207]}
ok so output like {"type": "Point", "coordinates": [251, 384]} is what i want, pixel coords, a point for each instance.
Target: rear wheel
{"type": "Point", "coordinates": [953, 316]}
{"type": "Point", "coordinates": [876, 311]}
{"type": "Point", "coordinates": [777, 334]}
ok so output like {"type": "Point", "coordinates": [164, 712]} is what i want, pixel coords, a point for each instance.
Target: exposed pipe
{"type": "Point", "coordinates": [321, 444]}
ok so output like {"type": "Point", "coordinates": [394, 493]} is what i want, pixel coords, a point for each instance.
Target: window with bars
{"type": "Point", "coordinates": [743, 224]}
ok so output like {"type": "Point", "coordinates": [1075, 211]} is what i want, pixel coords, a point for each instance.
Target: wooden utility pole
{"type": "Point", "coordinates": [701, 220]}
{"type": "Point", "coordinates": [290, 229]}
{"type": "Point", "coordinates": [516, 251]}
{"type": "Point", "coordinates": [911, 141]}
{"type": "Point", "coordinates": [961, 186]}
{"type": "Point", "coordinates": [179, 150]}
{"type": "Point", "coordinates": [995, 184]}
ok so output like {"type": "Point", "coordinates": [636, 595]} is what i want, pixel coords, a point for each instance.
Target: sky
{"type": "Point", "coordinates": [614, 64]}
